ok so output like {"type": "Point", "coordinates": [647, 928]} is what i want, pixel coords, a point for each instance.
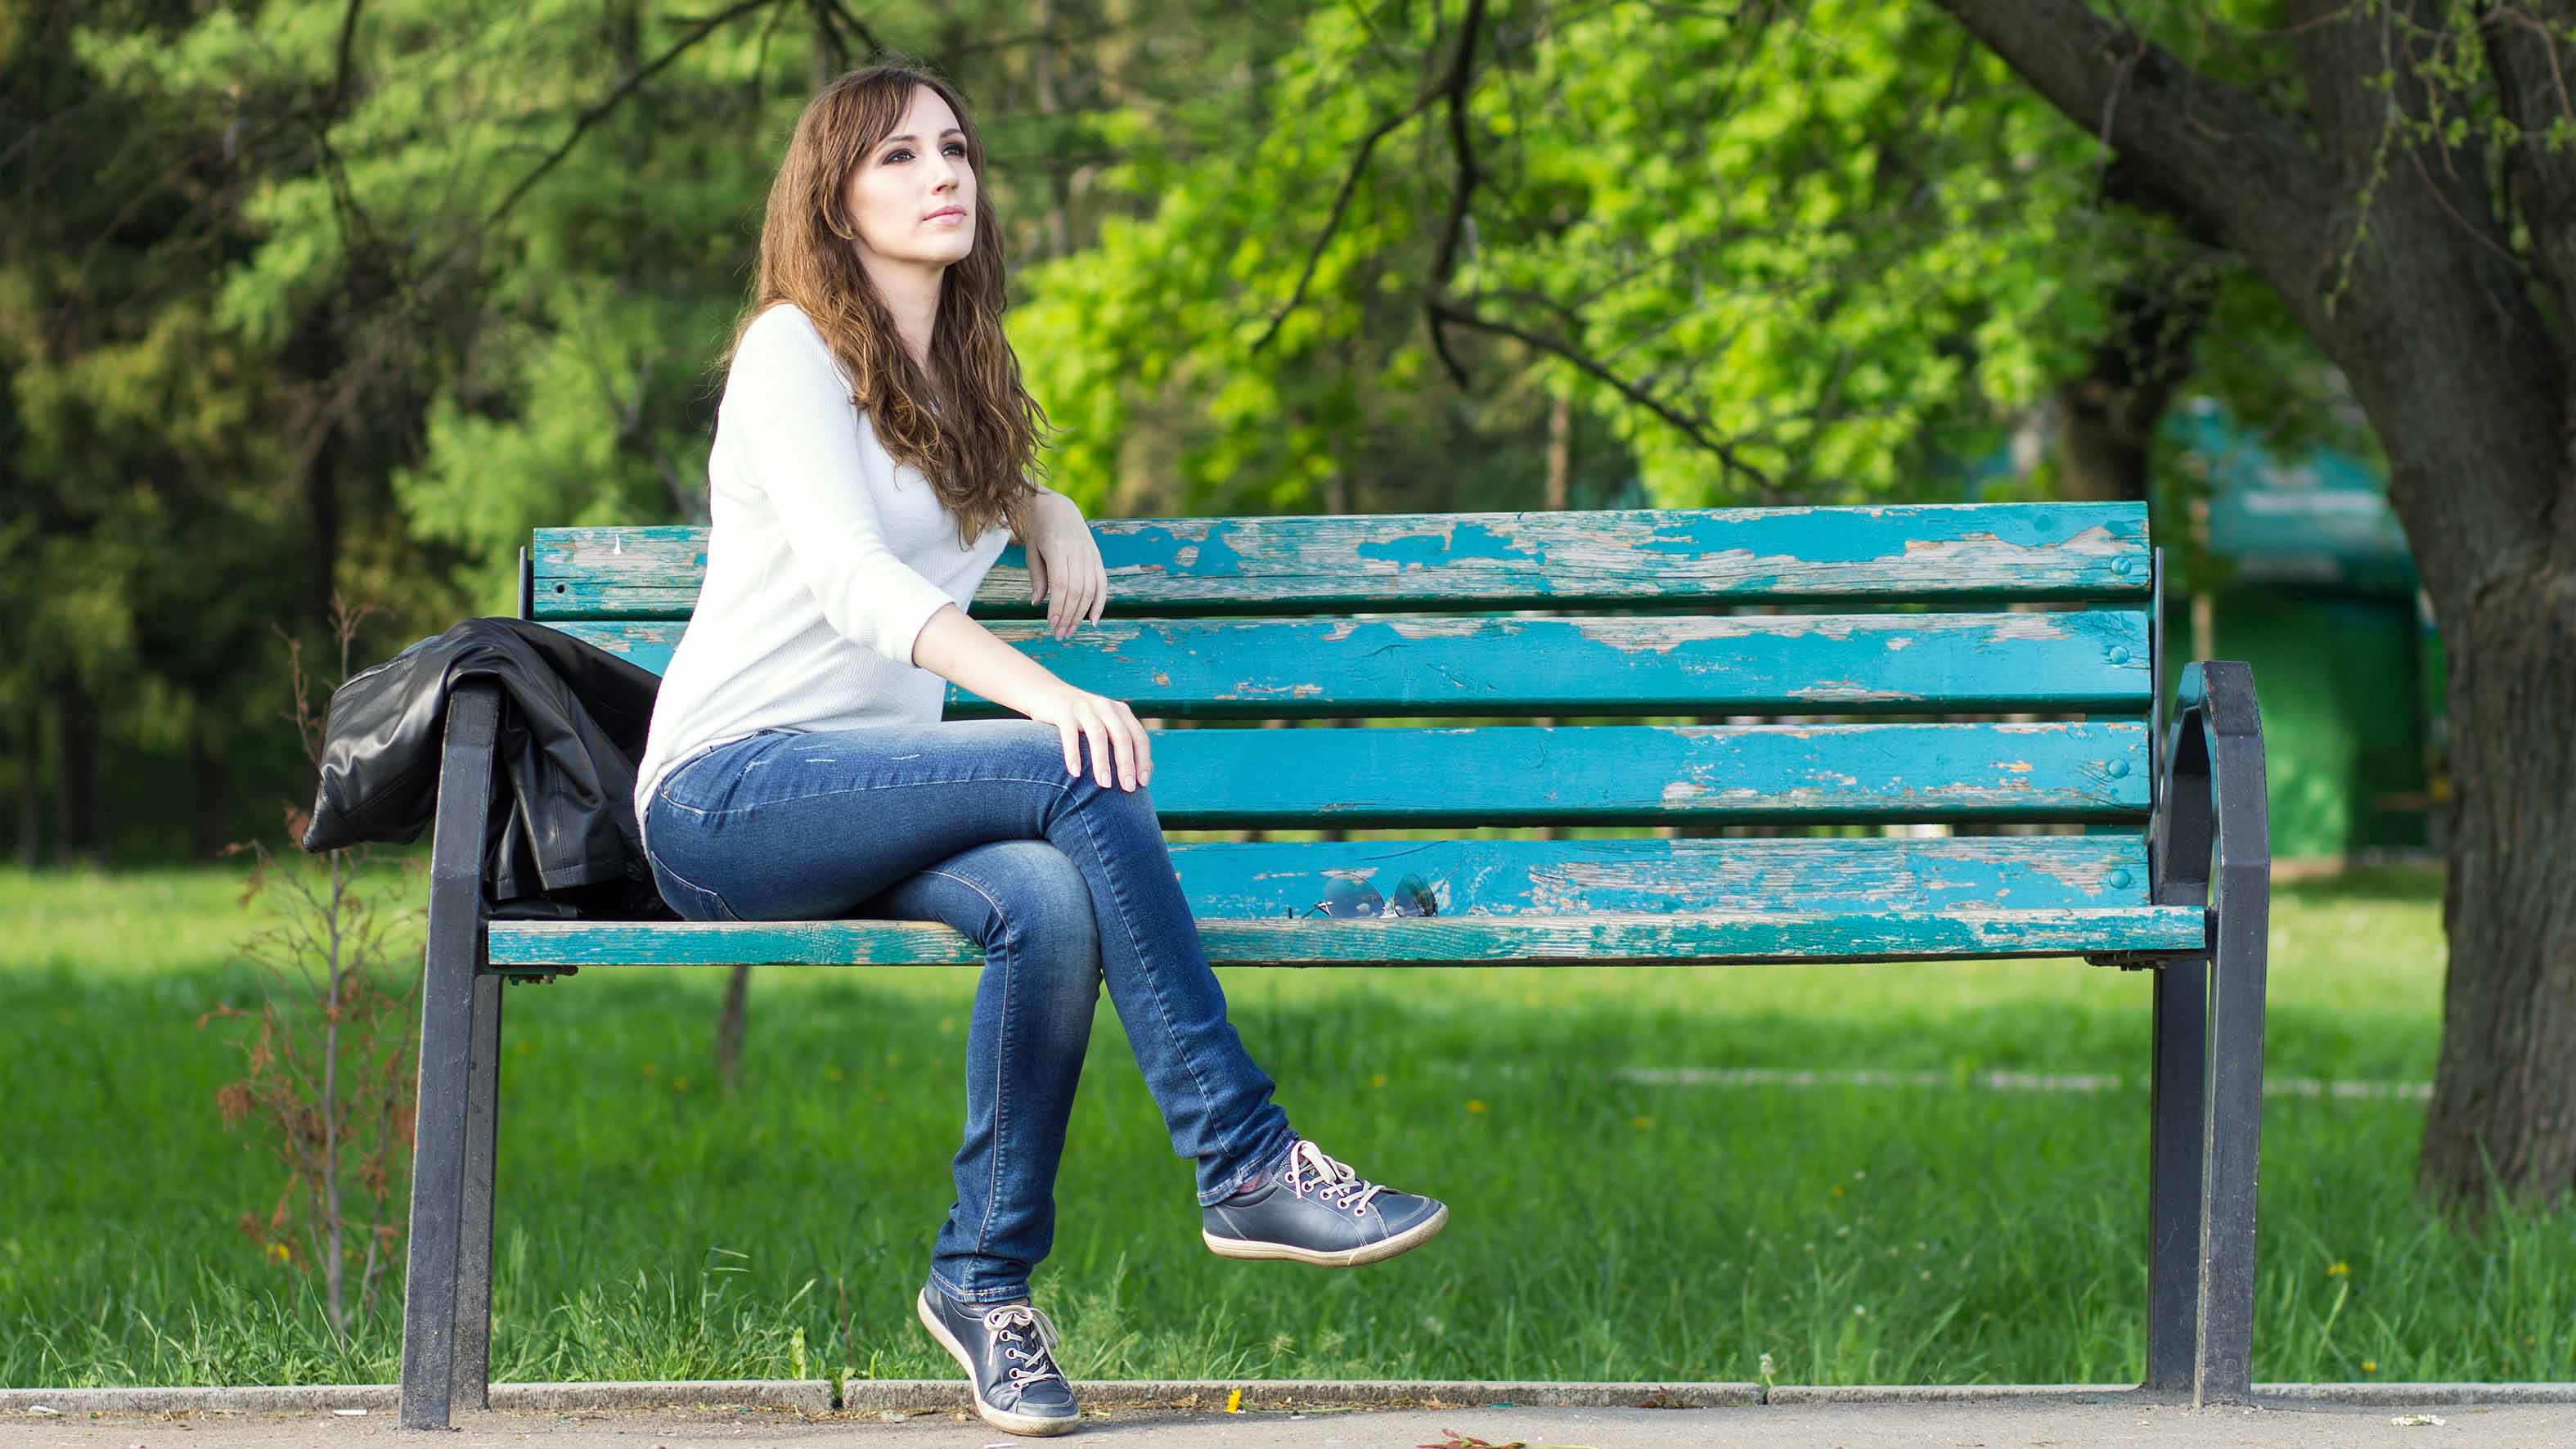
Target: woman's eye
{"type": "Point", "coordinates": [957, 146]}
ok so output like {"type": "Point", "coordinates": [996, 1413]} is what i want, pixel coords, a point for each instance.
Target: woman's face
{"type": "Point", "coordinates": [912, 197]}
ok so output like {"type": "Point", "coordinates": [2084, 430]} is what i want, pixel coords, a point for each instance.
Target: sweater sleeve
{"type": "Point", "coordinates": [801, 438]}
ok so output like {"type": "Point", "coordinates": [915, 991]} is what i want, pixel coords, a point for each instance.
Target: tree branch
{"type": "Point", "coordinates": [595, 114]}
{"type": "Point", "coordinates": [2384, 300]}
{"type": "Point", "coordinates": [340, 73]}
{"type": "Point", "coordinates": [1453, 312]}
{"type": "Point", "coordinates": [1454, 87]}
{"type": "Point", "coordinates": [2531, 70]}
{"type": "Point", "coordinates": [1341, 200]}
{"type": "Point", "coordinates": [2212, 155]}
{"type": "Point", "coordinates": [835, 17]}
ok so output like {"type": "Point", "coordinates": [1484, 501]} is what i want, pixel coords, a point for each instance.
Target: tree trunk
{"type": "Point", "coordinates": [2507, 1081]}
{"type": "Point", "coordinates": [730, 1024]}
{"type": "Point", "coordinates": [79, 834]}
{"type": "Point", "coordinates": [2433, 317]}
{"type": "Point", "coordinates": [213, 779]}
{"type": "Point", "coordinates": [1043, 61]}
{"type": "Point", "coordinates": [2108, 416]}
{"type": "Point", "coordinates": [1560, 451]}
{"type": "Point", "coordinates": [31, 763]}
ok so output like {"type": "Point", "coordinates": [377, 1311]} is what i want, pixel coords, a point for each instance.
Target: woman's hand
{"type": "Point", "coordinates": [1064, 559]}
{"type": "Point", "coordinates": [1111, 727]}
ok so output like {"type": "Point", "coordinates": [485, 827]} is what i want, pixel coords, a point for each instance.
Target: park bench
{"type": "Point", "coordinates": [1871, 628]}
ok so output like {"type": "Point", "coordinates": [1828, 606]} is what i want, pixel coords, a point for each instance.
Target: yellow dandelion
{"type": "Point", "coordinates": [834, 1073]}
{"type": "Point", "coordinates": [1475, 1106]}
{"type": "Point", "coordinates": [1378, 1080]}
{"type": "Point", "coordinates": [947, 1023]}
{"type": "Point", "coordinates": [278, 1251]}
{"type": "Point", "coordinates": [2370, 1365]}
{"type": "Point", "coordinates": [679, 1084]}
{"type": "Point", "coordinates": [2339, 1270]}
{"type": "Point", "coordinates": [1641, 1123]}
{"type": "Point", "coordinates": [1838, 1189]}
{"type": "Point", "coordinates": [648, 1069]}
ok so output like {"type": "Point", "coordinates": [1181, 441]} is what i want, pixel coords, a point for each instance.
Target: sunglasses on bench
{"type": "Point", "coordinates": [1346, 898]}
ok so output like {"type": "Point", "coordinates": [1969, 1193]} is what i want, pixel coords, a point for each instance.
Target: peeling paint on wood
{"type": "Point", "coordinates": [1597, 939]}
{"type": "Point", "coordinates": [1299, 617]}
{"type": "Point", "coordinates": [1501, 560]}
{"type": "Point", "coordinates": [1648, 774]}
{"type": "Point", "coordinates": [2088, 661]}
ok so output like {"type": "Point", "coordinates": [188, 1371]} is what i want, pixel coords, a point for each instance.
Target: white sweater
{"type": "Point", "coordinates": [824, 559]}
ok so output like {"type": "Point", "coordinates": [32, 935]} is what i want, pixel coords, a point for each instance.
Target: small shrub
{"type": "Point", "coordinates": [329, 1049]}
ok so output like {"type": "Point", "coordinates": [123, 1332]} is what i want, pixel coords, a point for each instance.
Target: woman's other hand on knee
{"type": "Point", "coordinates": [1117, 738]}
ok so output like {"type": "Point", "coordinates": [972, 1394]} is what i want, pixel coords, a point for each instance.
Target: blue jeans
{"type": "Point", "coordinates": [1063, 881]}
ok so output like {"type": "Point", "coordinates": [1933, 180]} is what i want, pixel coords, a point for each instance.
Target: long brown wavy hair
{"type": "Point", "coordinates": [980, 446]}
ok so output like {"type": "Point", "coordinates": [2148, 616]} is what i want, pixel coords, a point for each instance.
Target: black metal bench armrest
{"type": "Point", "coordinates": [2211, 843]}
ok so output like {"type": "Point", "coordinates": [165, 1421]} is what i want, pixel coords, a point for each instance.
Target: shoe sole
{"type": "Point", "coordinates": [1412, 1237]}
{"type": "Point", "coordinates": [1002, 1419]}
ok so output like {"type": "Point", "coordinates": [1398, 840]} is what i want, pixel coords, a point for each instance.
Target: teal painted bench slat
{"type": "Point", "coordinates": [1345, 563]}
{"type": "Point", "coordinates": [1626, 938]}
{"type": "Point", "coordinates": [1649, 774]}
{"type": "Point", "coordinates": [1264, 879]}
{"type": "Point", "coordinates": [1871, 669]}
{"type": "Point", "coordinates": [1269, 879]}
{"type": "Point", "coordinates": [2078, 661]}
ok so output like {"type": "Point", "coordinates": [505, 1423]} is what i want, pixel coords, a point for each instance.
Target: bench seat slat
{"type": "Point", "coordinates": [1648, 774]}
{"type": "Point", "coordinates": [1266, 879]}
{"type": "Point", "coordinates": [2062, 661]}
{"type": "Point", "coordinates": [1610, 939]}
{"type": "Point", "coordinates": [1497, 560]}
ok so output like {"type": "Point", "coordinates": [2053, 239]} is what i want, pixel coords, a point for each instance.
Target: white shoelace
{"type": "Point", "coordinates": [1000, 1322]}
{"type": "Point", "coordinates": [1334, 1181]}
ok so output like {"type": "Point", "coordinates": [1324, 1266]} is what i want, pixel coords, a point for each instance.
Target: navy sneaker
{"type": "Point", "coordinates": [1316, 1210]}
{"type": "Point", "coordinates": [1008, 1352]}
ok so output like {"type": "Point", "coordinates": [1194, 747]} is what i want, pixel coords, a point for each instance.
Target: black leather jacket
{"type": "Point", "coordinates": [561, 841]}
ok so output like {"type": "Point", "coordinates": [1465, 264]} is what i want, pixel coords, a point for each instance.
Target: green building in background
{"type": "Point", "coordinates": [2297, 566]}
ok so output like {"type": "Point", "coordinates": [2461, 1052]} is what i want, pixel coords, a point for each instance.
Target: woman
{"type": "Point", "coordinates": [869, 463]}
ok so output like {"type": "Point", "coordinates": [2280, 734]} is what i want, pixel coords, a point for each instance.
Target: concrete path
{"type": "Point", "coordinates": [2041, 1421]}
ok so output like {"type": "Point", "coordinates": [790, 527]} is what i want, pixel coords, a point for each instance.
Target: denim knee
{"type": "Point", "coordinates": [1044, 908]}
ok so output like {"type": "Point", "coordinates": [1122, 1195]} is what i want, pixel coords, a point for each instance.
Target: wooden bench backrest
{"type": "Point", "coordinates": [1903, 616]}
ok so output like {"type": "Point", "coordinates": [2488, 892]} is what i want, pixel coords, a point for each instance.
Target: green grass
{"type": "Point", "coordinates": [650, 1227]}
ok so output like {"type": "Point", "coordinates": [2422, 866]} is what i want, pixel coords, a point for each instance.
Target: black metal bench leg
{"type": "Point", "coordinates": [2178, 1097]}
{"type": "Point", "coordinates": [472, 1374]}
{"type": "Point", "coordinates": [2210, 812]}
{"type": "Point", "coordinates": [2235, 1139]}
{"type": "Point", "coordinates": [448, 982]}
